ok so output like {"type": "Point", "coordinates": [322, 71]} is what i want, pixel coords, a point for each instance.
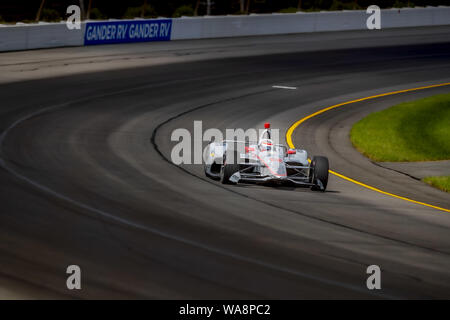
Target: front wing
{"type": "Point", "coordinates": [298, 178]}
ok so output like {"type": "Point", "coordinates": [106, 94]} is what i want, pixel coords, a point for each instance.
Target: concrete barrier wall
{"type": "Point", "coordinates": [231, 26]}
{"type": "Point", "coordinates": [34, 36]}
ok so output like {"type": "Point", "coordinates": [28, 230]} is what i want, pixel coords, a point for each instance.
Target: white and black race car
{"type": "Point", "coordinates": [233, 162]}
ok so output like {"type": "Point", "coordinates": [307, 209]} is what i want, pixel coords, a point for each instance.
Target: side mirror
{"type": "Point", "coordinates": [291, 151]}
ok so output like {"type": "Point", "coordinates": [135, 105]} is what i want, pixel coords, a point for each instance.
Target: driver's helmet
{"type": "Point", "coordinates": [266, 145]}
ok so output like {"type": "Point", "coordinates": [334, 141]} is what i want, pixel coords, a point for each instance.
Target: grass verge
{"type": "Point", "coordinates": [442, 183]}
{"type": "Point", "coordinates": [410, 131]}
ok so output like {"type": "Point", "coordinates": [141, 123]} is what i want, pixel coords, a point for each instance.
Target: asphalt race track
{"type": "Point", "coordinates": [86, 177]}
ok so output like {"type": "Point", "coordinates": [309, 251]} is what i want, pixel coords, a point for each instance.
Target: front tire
{"type": "Point", "coordinates": [319, 166]}
{"type": "Point", "coordinates": [228, 169]}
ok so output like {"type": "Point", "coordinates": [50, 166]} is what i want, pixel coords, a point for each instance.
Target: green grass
{"type": "Point", "coordinates": [442, 183]}
{"type": "Point", "coordinates": [411, 131]}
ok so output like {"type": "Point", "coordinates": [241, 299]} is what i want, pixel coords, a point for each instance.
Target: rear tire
{"type": "Point", "coordinates": [228, 169]}
{"type": "Point", "coordinates": [319, 166]}
{"type": "Point", "coordinates": [212, 173]}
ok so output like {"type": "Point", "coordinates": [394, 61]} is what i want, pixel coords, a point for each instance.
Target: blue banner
{"type": "Point", "coordinates": [127, 31]}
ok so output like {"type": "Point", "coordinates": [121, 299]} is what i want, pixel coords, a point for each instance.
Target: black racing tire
{"type": "Point", "coordinates": [209, 175]}
{"type": "Point", "coordinates": [228, 169]}
{"type": "Point", "coordinates": [206, 171]}
{"type": "Point", "coordinates": [319, 166]}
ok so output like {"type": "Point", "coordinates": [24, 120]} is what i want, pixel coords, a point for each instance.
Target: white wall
{"type": "Point", "coordinates": [231, 26]}
{"type": "Point", "coordinates": [33, 36]}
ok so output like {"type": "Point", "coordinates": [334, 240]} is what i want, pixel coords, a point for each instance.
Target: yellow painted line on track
{"type": "Point", "coordinates": [291, 129]}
